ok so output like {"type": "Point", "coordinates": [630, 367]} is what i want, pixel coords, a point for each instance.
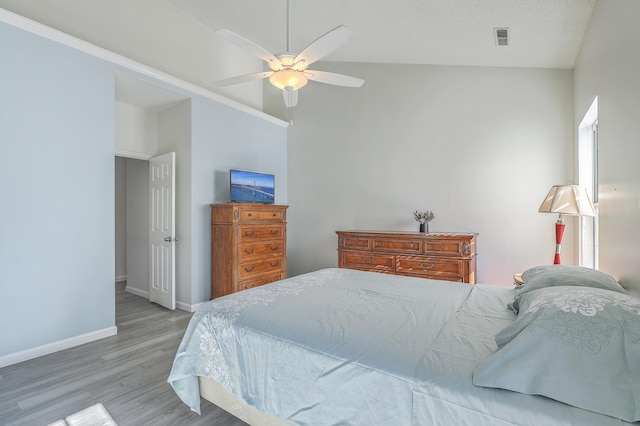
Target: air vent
{"type": "Point", "coordinates": [502, 36]}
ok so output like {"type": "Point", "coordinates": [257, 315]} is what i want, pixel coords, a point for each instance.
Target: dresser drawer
{"type": "Point", "coordinates": [249, 215]}
{"type": "Point", "coordinates": [442, 247]}
{"type": "Point", "coordinates": [368, 261]}
{"type": "Point", "coordinates": [249, 251]}
{"type": "Point", "coordinates": [356, 243]}
{"type": "Point", "coordinates": [396, 245]}
{"type": "Point", "coordinates": [249, 269]}
{"type": "Point", "coordinates": [429, 266]}
{"type": "Point", "coordinates": [258, 281]}
{"type": "Point", "coordinates": [261, 233]}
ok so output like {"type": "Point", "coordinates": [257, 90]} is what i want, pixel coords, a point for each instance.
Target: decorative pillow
{"type": "Point", "coordinates": [563, 275]}
{"type": "Point", "coordinates": [577, 345]}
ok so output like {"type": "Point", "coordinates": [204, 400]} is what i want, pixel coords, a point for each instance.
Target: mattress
{"type": "Point", "coordinates": [340, 346]}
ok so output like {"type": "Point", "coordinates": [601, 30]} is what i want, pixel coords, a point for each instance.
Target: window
{"type": "Point", "coordinates": [588, 177]}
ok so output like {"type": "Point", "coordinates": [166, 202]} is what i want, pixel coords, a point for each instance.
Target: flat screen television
{"type": "Point", "coordinates": [251, 187]}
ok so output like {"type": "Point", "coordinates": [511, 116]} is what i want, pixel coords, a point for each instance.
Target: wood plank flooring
{"type": "Point", "coordinates": [127, 373]}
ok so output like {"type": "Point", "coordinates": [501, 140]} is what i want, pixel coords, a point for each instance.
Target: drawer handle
{"type": "Point", "coordinates": [274, 215]}
{"type": "Point", "coordinates": [273, 264]}
{"type": "Point", "coordinates": [441, 246]}
{"type": "Point", "coordinates": [250, 214]}
{"type": "Point", "coordinates": [274, 232]}
{"type": "Point", "coordinates": [274, 248]}
{"type": "Point", "coordinates": [249, 251]}
{"type": "Point", "coordinates": [427, 267]}
{"type": "Point", "coordinates": [367, 260]}
{"type": "Point", "coordinates": [378, 244]}
{"type": "Point", "coordinates": [248, 234]}
{"type": "Point", "coordinates": [249, 269]}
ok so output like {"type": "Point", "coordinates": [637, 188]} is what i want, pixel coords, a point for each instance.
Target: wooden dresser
{"type": "Point", "coordinates": [441, 256]}
{"type": "Point", "coordinates": [248, 246]}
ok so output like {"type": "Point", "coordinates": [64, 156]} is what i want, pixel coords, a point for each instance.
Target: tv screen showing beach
{"type": "Point", "coordinates": [251, 187]}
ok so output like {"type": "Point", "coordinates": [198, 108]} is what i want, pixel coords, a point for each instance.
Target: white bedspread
{"type": "Point", "coordinates": [344, 347]}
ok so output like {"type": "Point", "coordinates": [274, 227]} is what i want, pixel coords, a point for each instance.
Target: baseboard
{"type": "Point", "coordinates": [193, 308]}
{"type": "Point", "coordinates": [60, 345]}
{"type": "Point", "coordinates": [137, 292]}
{"type": "Point", "coordinates": [121, 278]}
{"type": "Point", "coordinates": [187, 307]}
{"type": "Point", "coordinates": [183, 306]}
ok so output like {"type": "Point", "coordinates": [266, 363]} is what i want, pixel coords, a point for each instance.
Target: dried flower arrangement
{"type": "Point", "coordinates": [424, 216]}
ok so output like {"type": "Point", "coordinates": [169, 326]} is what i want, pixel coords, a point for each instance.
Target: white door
{"type": "Point", "coordinates": [162, 237]}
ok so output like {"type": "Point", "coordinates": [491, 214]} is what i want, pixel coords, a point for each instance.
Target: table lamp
{"type": "Point", "coordinates": [572, 200]}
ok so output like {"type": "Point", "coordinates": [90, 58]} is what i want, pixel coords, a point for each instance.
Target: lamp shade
{"type": "Point", "coordinates": [572, 200]}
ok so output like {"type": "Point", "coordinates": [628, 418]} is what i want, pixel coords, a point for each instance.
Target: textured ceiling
{"type": "Point", "coordinates": [543, 33]}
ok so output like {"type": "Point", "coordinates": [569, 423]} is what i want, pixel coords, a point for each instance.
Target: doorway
{"type": "Point", "coordinates": [146, 116]}
{"type": "Point", "coordinates": [132, 224]}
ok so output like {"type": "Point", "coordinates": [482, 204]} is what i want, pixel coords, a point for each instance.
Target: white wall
{"type": "Point", "coordinates": [479, 146]}
{"type": "Point", "coordinates": [136, 130]}
{"type": "Point", "coordinates": [608, 66]}
{"type": "Point", "coordinates": [57, 215]}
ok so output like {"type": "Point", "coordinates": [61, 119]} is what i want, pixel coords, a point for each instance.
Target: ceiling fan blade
{"type": "Point", "coordinates": [249, 46]}
{"type": "Point", "coordinates": [322, 47]}
{"type": "Point", "coordinates": [290, 97]}
{"type": "Point", "coordinates": [243, 78]}
{"type": "Point", "coordinates": [333, 78]}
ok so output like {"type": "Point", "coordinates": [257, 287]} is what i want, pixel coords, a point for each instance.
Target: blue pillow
{"type": "Point", "coordinates": [563, 275]}
{"type": "Point", "coordinates": [577, 345]}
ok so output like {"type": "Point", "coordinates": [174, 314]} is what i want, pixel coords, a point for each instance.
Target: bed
{"type": "Point", "coordinates": [347, 347]}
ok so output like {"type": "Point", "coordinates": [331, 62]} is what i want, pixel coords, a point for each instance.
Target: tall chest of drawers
{"type": "Point", "coordinates": [442, 256]}
{"type": "Point", "coordinates": [248, 246]}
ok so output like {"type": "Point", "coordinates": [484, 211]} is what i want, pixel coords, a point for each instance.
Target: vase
{"type": "Point", "coordinates": [424, 227]}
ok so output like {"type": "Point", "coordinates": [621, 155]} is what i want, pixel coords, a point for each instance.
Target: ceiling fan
{"type": "Point", "coordinates": [289, 71]}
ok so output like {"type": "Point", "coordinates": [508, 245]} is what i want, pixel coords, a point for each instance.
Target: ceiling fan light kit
{"type": "Point", "coordinates": [289, 71]}
{"type": "Point", "coordinates": [288, 78]}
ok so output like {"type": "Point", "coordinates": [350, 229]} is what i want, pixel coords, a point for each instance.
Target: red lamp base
{"type": "Point", "coordinates": [559, 234]}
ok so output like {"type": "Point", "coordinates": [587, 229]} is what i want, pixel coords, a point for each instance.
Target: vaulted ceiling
{"type": "Point", "coordinates": [543, 33]}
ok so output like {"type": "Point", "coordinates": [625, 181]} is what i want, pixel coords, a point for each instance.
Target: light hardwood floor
{"type": "Point", "coordinates": [127, 373]}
